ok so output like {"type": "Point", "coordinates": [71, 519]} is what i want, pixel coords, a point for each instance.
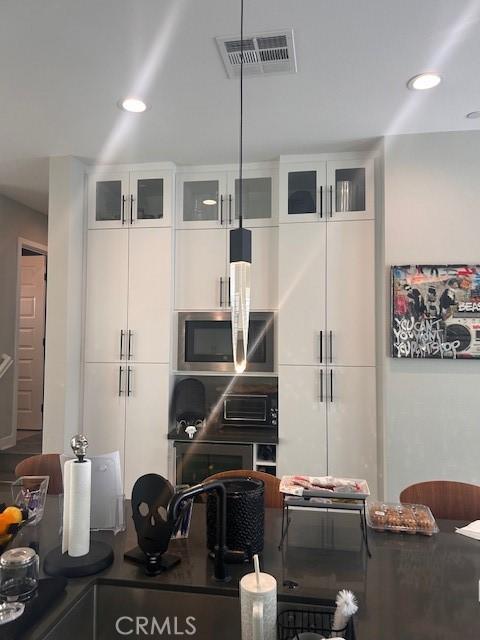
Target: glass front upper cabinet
{"type": "Point", "coordinates": [302, 192]}
{"type": "Point", "coordinates": [130, 199]}
{"type": "Point", "coordinates": [201, 200]}
{"type": "Point", "coordinates": [259, 197]}
{"type": "Point", "coordinates": [108, 195]}
{"type": "Point", "coordinates": [326, 190]}
{"type": "Point", "coordinates": [256, 198]}
{"type": "Point", "coordinates": [150, 198]}
{"type": "Point", "coordinates": [350, 190]}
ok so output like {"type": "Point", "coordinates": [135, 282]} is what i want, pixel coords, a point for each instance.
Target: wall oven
{"type": "Point", "coordinates": [194, 462]}
{"type": "Point", "coordinates": [205, 342]}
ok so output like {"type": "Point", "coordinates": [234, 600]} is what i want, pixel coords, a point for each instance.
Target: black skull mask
{"type": "Point", "coordinates": [150, 498]}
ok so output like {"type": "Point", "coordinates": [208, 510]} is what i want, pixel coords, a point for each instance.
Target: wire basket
{"type": "Point", "coordinates": [292, 622]}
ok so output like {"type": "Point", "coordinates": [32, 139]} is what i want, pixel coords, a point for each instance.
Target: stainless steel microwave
{"type": "Point", "coordinates": [205, 342]}
{"type": "Point", "coordinates": [250, 410]}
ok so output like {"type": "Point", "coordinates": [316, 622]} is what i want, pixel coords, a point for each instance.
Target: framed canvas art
{"type": "Point", "coordinates": [436, 311]}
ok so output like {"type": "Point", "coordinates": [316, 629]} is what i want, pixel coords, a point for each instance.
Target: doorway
{"type": "Point", "coordinates": [30, 346]}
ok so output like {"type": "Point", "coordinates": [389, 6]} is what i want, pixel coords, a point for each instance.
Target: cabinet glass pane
{"type": "Point", "coordinates": [257, 198]}
{"type": "Point", "coordinates": [108, 200]}
{"type": "Point", "coordinates": [302, 192]}
{"type": "Point", "coordinates": [150, 199]}
{"type": "Point", "coordinates": [200, 200]}
{"type": "Point", "coordinates": [350, 190]}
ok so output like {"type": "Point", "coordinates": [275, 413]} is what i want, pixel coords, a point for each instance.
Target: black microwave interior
{"type": "Point", "coordinates": [211, 341]}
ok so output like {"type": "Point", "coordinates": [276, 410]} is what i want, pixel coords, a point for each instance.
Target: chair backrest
{"type": "Point", "coordinates": [450, 500]}
{"type": "Point", "coordinates": [273, 497]}
{"type": "Point", "coordinates": [45, 464]}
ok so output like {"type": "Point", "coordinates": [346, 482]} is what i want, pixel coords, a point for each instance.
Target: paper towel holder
{"type": "Point", "coordinates": [100, 555]}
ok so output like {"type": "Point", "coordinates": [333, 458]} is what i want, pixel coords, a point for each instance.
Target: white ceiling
{"type": "Point", "coordinates": [65, 63]}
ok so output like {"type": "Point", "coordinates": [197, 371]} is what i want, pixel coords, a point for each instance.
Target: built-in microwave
{"type": "Point", "coordinates": [205, 342]}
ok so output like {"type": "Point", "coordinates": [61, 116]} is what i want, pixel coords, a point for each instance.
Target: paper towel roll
{"type": "Point", "coordinates": [76, 507]}
{"type": "Point", "coordinates": [256, 598]}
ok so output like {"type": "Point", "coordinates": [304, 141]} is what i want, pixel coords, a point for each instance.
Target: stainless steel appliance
{"type": "Point", "coordinates": [255, 410]}
{"type": "Point", "coordinates": [205, 342]}
{"type": "Point", "coordinates": [199, 460]}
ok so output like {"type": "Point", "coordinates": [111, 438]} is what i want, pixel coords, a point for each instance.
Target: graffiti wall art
{"type": "Point", "coordinates": [436, 311]}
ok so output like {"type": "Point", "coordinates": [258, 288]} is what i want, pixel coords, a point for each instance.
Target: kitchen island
{"type": "Point", "coordinates": [413, 587]}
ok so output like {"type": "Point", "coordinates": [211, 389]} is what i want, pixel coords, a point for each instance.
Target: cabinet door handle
{"type": "Point", "coordinates": [129, 374]}
{"type": "Point", "coordinates": [331, 346]}
{"type": "Point", "coordinates": [321, 201]}
{"type": "Point", "coordinates": [221, 291]}
{"type": "Point", "coordinates": [229, 293]}
{"type": "Point", "coordinates": [229, 208]}
{"type": "Point", "coordinates": [123, 209]}
{"type": "Point", "coordinates": [131, 209]}
{"type": "Point", "coordinates": [321, 347]}
{"type": "Point", "coordinates": [331, 201]}
{"type": "Point", "coordinates": [129, 345]}
{"type": "Point", "coordinates": [321, 385]}
{"type": "Point", "coordinates": [331, 385]}
{"type": "Point", "coordinates": [221, 209]}
{"type": "Point", "coordinates": [120, 372]}
{"type": "Point", "coordinates": [122, 335]}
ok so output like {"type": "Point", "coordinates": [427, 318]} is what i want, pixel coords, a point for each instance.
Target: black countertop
{"type": "Point", "coordinates": [234, 435]}
{"type": "Point", "coordinates": [413, 587]}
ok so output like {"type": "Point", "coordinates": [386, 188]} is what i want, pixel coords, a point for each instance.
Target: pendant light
{"type": "Point", "coordinates": [240, 255]}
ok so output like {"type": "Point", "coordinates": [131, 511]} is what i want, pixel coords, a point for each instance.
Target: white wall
{"type": "Point", "coordinates": [64, 303]}
{"type": "Point", "coordinates": [432, 215]}
{"type": "Point", "coordinates": [16, 221]}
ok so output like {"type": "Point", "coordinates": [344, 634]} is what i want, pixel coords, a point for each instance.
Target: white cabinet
{"type": "Point", "coordinates": [106, 295]}
{"type": "Point", "coordinates": [303, 422]}
{"type": "Point", "coordinates": [259, 197]}
{"type": "Point", "coordinates": [202, 200]}
{"type": "Point", "coordinates": [149, 295]}
{"type": "Point", "coordinates": [104, 408]}
{"type": "Point", "coordinates": [264, 280]}
{"type": "Point", "coordinates": [128, 295]}
{"type": "Point", "coordinates": [118, 199]}
{"type": "Point", "coordinates": [202, 269]}
{"type": "Point", "coordinates": [327, 294]}
{"type": "Point", "coordinates": [301, 318]}
{"type": "Point", "coordinates": [350, 192]}
{"type": "Point", "coordinates": [125, 410]}
{"type": "Point", "coordinates": [146, 444]}
{"type": "Point", "coordinates": [321, 189]}
{"type": "Point", "coordinates": [303, 192]}
{"type": "Point", "coordinates": [107, 199]}
{"type": "Point", "coordinates": [326, 319]}
{"type": "Point", "coordinates": [201, 280]}
{"type": "Point", "coordinates": [352, 427]}
{"type": "Point", "coordinates": [350, 300]}
{"type": "Point", "coordinates": [328, 422]}
{"type": "Point", "coordinates": [208, 198]}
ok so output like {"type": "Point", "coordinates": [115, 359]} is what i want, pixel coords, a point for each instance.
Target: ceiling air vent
{"type": "Point", "coordinates": [264, 53]}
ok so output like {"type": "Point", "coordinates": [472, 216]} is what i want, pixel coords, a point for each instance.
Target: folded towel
{"type": "Point", "coordinates": [472, 530]}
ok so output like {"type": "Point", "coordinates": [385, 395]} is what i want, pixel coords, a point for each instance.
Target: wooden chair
{"type": "Point", "coordinates": [46, 464]}
{"type": "Point", "coordinates": [449, 500]}
{"type": "Point", "coordinates": [273, 497]}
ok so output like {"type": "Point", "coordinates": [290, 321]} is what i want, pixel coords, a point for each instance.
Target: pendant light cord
{"type": "Point", "coordinates": [241, 119]}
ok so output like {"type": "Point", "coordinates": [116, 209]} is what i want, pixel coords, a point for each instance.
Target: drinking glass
{"type": "Point", "coordinates": [19, 570]}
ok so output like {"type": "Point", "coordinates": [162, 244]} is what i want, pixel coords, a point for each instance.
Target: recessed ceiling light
{"type": "Point", "coordinates": [209, 202]}
{"type": "Point", "coordinates": [424, 81]}
{"type": "Point", "coordinates": [473, 115]}
{"type": "Point", "coordinates": [133, 105]}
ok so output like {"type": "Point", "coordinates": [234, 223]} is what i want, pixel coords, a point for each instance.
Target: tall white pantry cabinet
{"type": "Point", "coordinates": [128, 319]}
{"type": "Point", "coordinates": [326, 318]}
